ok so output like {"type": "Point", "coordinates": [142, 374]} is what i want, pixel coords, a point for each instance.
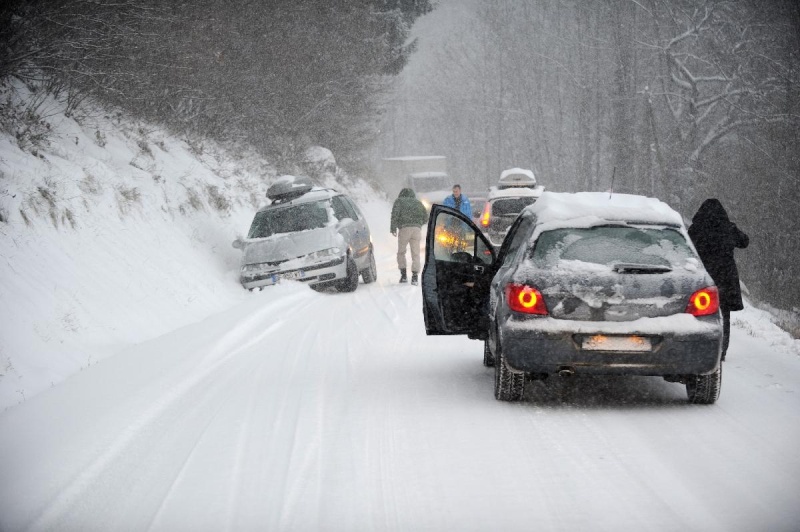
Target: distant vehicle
{"type": "Point", "coordinates": [309, 234]}
{"type": "Point", "coordinates": [583, 284]}
{"type": "Point", "coordinates": [426, 175]}
{"type": "Point", "coordinates": [478, 203]}
{"type": "Point", "coordinates": [515, 190]}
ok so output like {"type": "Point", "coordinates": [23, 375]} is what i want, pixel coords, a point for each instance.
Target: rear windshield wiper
{"type": "Point", "coordinates": [640, 268]}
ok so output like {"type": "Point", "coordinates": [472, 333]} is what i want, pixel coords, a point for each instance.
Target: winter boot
{"type": "Point", "coordinates": [403, 278]}
{"type": "Point", "coordinates": [414, 278]}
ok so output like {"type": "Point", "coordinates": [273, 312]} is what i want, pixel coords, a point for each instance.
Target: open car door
{"type": "Point", "coordinates": [459, 266]}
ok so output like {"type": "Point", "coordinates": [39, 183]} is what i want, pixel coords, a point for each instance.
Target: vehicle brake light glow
{"type": "Point", "coordinates": [487, 214]}
{"type": "Point", "coordinates": [704, 302]}
{"type": "Point", "coordinates": [446, 238]}
{"type": "Point", "coordinates": [525, 299]}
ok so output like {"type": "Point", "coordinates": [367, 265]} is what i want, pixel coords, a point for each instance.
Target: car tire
{"type": "Point", "coordinates": [488, 357]}
{"type": "Point", "coordinates": [508, 386]}
{"type": "Point", "coordinates": [350, 282]}
{"type": "Point", "coordinates": [704, 389]}
{"type": "Point", "coordinates": [370, 274]}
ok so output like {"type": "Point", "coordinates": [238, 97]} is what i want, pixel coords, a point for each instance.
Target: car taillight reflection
{"type": "Point", "coordinates": [704, 302]}
{"type": "Point", "coordinates": [525, 299]}
{"type": "Point", "coordinates": [487, 214]}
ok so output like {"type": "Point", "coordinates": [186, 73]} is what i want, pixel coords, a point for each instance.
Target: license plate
{"type": "Point", "coordinates": [299, 274]}
{"type": "Point", "coordinates": [601, 342]}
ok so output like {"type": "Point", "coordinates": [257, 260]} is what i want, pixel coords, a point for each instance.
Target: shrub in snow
{"type": "Point", "coordinates": [218, 200]}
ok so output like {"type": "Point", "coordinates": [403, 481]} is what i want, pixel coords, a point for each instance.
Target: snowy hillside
{"type": "Point", "coordinates": [114, 232]}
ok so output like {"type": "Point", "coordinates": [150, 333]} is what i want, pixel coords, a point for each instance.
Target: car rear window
{"type": "Point", "coordinates": [289, 219]}
{"type": "Point", "coordinates": [510, 206]}
{"type": "Point", "coordinates": [477, 205]}
{"type": "Point", "coordinates": [610, 245]}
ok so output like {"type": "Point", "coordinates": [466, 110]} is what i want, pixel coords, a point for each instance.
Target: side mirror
{"type": "Point", "coordinates": [238, 244]}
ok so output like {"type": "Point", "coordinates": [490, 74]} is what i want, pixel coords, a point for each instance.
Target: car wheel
{"type": "Point", "coordinates": [508, 386]}
{"type": "Point", "coordinates": [704, 389]}
{"type": "Point", "coordinates": [350, 283]}
{"type": "Point", "coordinates": [370, 274]}
{"type": "Point", "coordinates": [488, 357]}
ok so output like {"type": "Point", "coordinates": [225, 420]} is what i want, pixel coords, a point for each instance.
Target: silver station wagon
{"type": "Point", "coordinates": [309, 234]}
{"type": "Point", "coordinates": [582, 284]}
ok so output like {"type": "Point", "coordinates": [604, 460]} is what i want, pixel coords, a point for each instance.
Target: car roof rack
{"type": "Point", "coordinates": [288, 187]}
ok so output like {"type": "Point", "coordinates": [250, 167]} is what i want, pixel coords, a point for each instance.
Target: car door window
{"type": "Point", "coordinates": [340, 208]}
{"type": "Point", "coordinates": [517, 236]}
{"type": "Point", "coordinates": [352, 210]}
{"type": "Point", "coordinates": [455, 241]}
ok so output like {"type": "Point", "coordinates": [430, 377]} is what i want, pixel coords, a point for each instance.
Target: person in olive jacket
{"type": "Point", "coordinates": [715, 238]}
{"type": "Point", "coordinates": [408, 215]}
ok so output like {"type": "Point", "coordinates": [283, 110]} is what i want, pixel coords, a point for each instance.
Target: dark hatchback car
{"type": "Point", "coordinates": [582, 284]}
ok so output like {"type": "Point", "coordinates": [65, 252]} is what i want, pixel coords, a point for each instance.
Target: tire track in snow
{"type": "Point", "coordinates": [184, 466]}
{"type": "Point", "coordinates": [261, 421]}
{"type": "Point", "coordinates": [330, 434]}
{"type": "Point", "coordinates": [331, 360]}
{"type": "Point", "coordinates": [610, 478]}
{"type": "Point", "coordinates": [236, 341]}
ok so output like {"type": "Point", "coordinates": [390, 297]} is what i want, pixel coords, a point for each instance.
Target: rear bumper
{"type": "Point", "coordinates": [314, 275]}
{"type": "Point", "coordinates": [495, 236]}
{"type": "Point", "coordinates": [551, 345]}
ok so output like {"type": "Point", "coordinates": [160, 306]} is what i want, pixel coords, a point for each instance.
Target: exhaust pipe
{"type": "Point", "coordinates": [566, 371]}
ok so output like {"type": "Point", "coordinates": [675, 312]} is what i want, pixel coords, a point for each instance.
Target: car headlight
{"type": "Point", "coordinates": [253, 267]}
{"type": "Point", "coordinates": [324, 254]}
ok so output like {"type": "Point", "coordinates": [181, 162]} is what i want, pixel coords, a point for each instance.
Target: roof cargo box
{"type": "Point", "coordinates": [516, 177]}
{"type": "Point", "coordinates": [289, 187]}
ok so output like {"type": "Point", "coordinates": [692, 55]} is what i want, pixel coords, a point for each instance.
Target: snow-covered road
{"type": "Point", "coordinates": [193, 405]}
{"type": "Point", "coordinates": [296, 410]}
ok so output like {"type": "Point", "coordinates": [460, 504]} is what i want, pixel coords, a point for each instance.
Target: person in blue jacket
{"type": "Point", "coordinates": [458, 201]}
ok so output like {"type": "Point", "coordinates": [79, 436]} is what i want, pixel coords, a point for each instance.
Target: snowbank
{"type": "Point", "coordinates": [114, 232]}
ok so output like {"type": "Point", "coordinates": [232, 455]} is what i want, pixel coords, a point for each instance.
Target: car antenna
{"type": "Point", "coordinates": [613, 173]}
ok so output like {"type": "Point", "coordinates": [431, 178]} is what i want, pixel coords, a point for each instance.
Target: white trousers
{"type": "Point", "coordinates": [408, 237]}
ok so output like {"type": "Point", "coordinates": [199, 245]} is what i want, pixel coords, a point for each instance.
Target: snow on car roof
{"type": "Point", "coordinates": [415, 158]}
{"type": "Point", "coordinates": [315, 194]}
{"type": "Point", "coordinates": [287, 187]}
{"type": "Point", "coordinates": [586, 209]}
{"type": "Point", "coordinates": [292, 180]}
{"type": "Point", "coordinates": [418, 175]}
{"type": "Point", "coordinates": [523, 171]}
{"type": "Point", "coordinates": [515, 192]}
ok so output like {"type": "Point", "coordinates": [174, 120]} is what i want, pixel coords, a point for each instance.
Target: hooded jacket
{"type": "Point", "coordinates": [407, 211]}
{"type": "Point", "coordinates": [715, 238]}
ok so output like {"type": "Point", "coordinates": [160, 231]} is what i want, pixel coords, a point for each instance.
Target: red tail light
{"type": "Point", "coordinates": [487, 214]}
{"type": "Point", "coordinates": [704, 302]}
{"type": "Point", "coordinates": [525, 299]}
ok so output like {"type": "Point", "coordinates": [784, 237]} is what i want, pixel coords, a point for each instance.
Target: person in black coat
{"type": "Point", "coordinates": [715, 238]}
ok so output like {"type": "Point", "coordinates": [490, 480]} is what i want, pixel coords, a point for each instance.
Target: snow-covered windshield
{"type": "Point", "coordinates": [511, 206]}
{"type": "Point", "coordinates": [609, 245]}
{"type": "Point", "coordinates": [289, 219]}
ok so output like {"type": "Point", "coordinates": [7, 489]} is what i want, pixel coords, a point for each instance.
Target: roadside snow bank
{"type": "Point", "coordinates": [764, 326]}
{"type": "Point", "coordinates": [113, 232]}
